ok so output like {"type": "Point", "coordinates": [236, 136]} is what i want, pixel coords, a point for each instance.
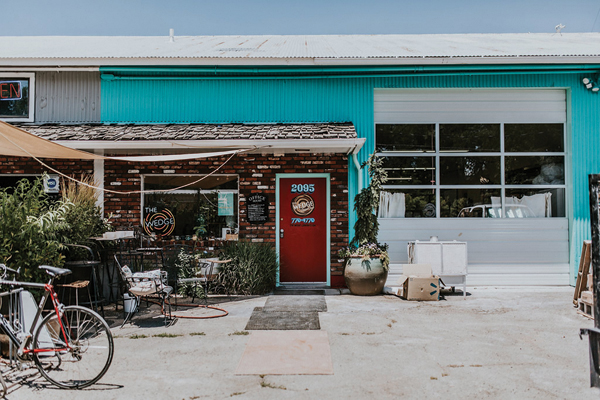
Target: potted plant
{"type": "Point", "coordinates": [366, 261]}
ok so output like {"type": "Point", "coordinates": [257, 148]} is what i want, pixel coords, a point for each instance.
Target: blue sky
{"type": "Point", "coordinates": [252, 17]}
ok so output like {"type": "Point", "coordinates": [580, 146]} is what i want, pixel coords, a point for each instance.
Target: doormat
{"type": "Point", "coordinates": [288, 313]}
{"type": "Point", "coordinates": [286, 353]}
{"type": "Point", "coordinates": [261, 320]}
{"type": "Point", "coordinates": [296, 303]}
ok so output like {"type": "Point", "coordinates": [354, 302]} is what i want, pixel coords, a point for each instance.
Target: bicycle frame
{"type": "Point", "coordinates": [48, 292]}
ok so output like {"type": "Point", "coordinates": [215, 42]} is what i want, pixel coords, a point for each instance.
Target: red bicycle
{"type": "Point", "coordinates": [72, 346]}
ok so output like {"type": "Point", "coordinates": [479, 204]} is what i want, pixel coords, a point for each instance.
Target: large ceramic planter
{"type": "Point", "coordinates": [365, 278]}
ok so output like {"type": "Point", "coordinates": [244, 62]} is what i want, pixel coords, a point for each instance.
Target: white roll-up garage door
{"type": "Point", "coordinates": [470, 105]}
{"type": "Point", "coordinates": [503, 251]}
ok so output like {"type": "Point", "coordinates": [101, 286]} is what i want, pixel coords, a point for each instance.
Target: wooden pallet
{"type": "Point", "coordinates": [584, 269]}
{"type": "Point", "coordinates": [586, 309]}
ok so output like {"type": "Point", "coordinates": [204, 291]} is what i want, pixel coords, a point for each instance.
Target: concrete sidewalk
{"type": "Point", "coordinates": [501, 343]}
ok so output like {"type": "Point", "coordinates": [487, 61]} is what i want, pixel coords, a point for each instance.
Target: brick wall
{"type": "Point", "coordinates": [20, 165]}
{"type": "Point", "coordinates": [256, 175]}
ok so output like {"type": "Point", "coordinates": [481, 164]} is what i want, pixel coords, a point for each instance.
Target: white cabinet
{"type": "Point", "coordinates": [448, 260]}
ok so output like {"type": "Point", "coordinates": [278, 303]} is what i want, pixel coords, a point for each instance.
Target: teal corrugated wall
{"type": "Point", "coordinates": [349, 99]}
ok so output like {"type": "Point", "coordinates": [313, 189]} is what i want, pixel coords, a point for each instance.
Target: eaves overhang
{"type": "Point", "coordinates": [283, 146]}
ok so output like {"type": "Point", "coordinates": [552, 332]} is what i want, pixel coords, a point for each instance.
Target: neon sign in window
{"type": "Point", "coordinates": [10, 90]}
{"type": "Point", "coordinates": [14, 98]}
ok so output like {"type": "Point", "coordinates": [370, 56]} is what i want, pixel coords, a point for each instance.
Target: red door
{"type": "Point", "coordinates": [303, 230]}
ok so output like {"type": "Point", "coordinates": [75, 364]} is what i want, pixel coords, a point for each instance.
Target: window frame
{"type": "Point", "coordinates": [186, 191]}
{"type": "Point", "coordinates": [31, 105]}
{"type": "Point", "coordinates": [502, 154]}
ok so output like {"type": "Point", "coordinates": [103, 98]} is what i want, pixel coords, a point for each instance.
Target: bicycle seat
{"type": "Point", "coordinates": [53, 271]}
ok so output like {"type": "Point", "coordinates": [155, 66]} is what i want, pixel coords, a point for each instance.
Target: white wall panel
{"type": "Point", "coordinates": [470, 105]}
{"type": "Point", "coordinates": [67, 97]}
{"type": "Point", "coordinates": [532, 251]}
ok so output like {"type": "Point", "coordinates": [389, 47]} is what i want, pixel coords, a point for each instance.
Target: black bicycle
{"type": "Point", "coordinates": [72, 346]}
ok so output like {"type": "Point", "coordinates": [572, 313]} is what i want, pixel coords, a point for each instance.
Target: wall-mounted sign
{"type": "Point", "coordinates": [225, 204]}
{"type": "Point", "coordinates": [257, 208]}
{"type": "Point", "coordinates": [158, 222]}
{"type": "Point", "coordinates": [303, 205]}
{"type": "Point", "coordinates": [51, 184]}
{"type": "Point", "coordinates": [14, 98]}
{"type": "Point", "coordinates": [10, 90]}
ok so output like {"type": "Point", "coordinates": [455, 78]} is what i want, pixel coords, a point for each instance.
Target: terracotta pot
{"type": "Point", "coordinates": [365, 278]}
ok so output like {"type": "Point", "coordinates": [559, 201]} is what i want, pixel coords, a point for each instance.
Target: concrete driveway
{"type": "Point", "coordinates": [499, 343]}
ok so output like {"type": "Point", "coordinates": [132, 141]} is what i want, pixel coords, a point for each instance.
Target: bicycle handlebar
{"type": "Point", "coordinates": [5, 268]}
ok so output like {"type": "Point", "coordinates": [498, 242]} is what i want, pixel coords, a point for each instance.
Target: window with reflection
{"type": "Point", "coordinates": [473, 170]}
{"type": "Point", "coordinates": [467, 202]}
{"type": "Point", "coordinates": [547, 138]}
{"type": "Point", "coordinates": [410, 170]}
{"type": "Point", "coordinates": [535, 170]}
{"type": "Point", "coordinates": [405, 137]}
{"type": "Point", "coordinates": [470, 170]}
{"type": "Point", "coordinates": [407, 203]}
{"type": "Point", "coordinates": [201, 206]}
{"type": "Point", "coordinates": [14, 98]}
{"type": "Point", "coordinates": [470, 138]}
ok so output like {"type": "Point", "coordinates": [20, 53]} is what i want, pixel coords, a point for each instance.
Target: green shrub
{"type": "Point", "coordinates": [252, 269]}
{"type": "Point", "coordinates": [366, 203]}
{"type": "Point", "coordinates": [30, 229]}
{"type": "Point", "coordinates": [34, 229]}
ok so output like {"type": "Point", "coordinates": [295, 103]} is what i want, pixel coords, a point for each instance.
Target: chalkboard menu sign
{"type": "Point", "coordinates": [257, 208]}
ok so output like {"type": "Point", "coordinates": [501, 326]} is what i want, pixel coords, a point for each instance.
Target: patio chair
{"type": "Point", "coordinates": [145, 284]}
{"type": "Point", "coordinates": [204, 274]}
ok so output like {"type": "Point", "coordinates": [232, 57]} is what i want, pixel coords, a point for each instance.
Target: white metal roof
{"type": "Point", "coordinates": [300, 50]}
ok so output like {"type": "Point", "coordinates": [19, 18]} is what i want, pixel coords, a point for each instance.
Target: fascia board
{"type": "Point", "coordinates": [346, 145]}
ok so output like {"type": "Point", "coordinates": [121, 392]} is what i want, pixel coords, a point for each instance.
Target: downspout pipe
{"type": "Point", "coordinates": [358, 171]}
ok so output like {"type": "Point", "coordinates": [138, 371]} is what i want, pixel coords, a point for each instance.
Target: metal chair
{"type": "Point", "coordinates": [145, 284]}
{"type": "Point", "coordinates": [204, 273]}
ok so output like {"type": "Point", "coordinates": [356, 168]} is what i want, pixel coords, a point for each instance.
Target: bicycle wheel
{"type": "Point", "coordinates": [74, 352]}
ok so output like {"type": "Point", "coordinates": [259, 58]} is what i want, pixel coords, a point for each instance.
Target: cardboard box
{"type": "Point", "coordinates": [422, 289]}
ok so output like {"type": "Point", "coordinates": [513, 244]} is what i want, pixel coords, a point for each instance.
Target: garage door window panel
{"type": "Point", "coordinates": [476, 170]}
{"type": "Point", "coordinates": [410, 170]}
{"type": "Point", "coordinates": [405, 137]}
{"type": "Point", "coordinates": [470, 138]}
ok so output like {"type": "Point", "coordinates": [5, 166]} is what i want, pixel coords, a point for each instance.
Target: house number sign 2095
{"type": "Point", "coordinates": [303, 188]}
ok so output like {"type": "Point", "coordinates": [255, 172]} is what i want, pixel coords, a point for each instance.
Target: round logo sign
{"type": "Point", "coordinates": [160, 223]}
{"type": "Point", "coordinates": [303, 205]}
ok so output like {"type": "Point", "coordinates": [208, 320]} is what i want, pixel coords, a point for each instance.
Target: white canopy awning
{"type": "Point", "coordinates": [19, 143]}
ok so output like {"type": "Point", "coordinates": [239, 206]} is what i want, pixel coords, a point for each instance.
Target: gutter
{"type": "Point", "coordinates": [296, 145]}
{"type": "Point", "coordinates": [362, 72]}
{"type": "Point", "coordinates": [216, 69]}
